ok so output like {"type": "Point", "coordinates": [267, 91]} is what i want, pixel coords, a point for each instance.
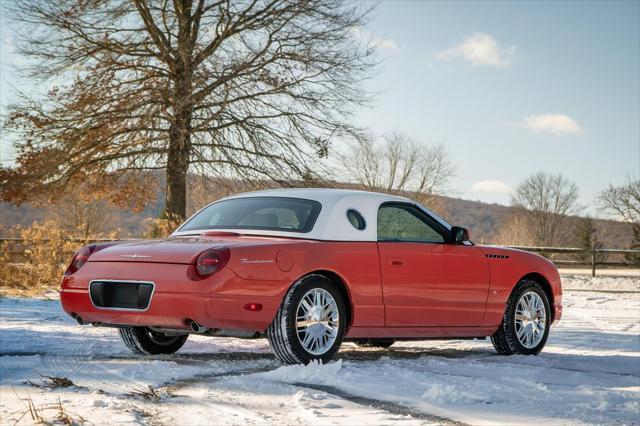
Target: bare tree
{"type": "Point", "coordinates": [622, 201]}
{"type": "Point", "coordinates": [252, 89]}
{"type": "Point", "coordinates": [549, 200]}
{"type": "Point", "coordinates": [398, 164]}
{"type": "Point", "coordinates": [85, 218]}
{"type": "Point", "coordinates": [516, 230]}
{"type": "Point", "coordinates": [203, 189]}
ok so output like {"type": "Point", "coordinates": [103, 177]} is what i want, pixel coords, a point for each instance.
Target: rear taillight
{"type": "Point", "coordinates": [212, 260]}
{"type": "Point", "coordinates": [79, 259]}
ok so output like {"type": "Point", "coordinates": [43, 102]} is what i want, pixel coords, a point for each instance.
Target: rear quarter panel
{"type": "Point", "coordinates": [272, 269]}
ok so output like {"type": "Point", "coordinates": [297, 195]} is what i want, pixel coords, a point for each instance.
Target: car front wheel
{"type": "Point", "coordinates": [310, 323]}
{"type": "Point", "coordinates": [143, 340]}
{"type": "Point", "coordinates": [525, 325]}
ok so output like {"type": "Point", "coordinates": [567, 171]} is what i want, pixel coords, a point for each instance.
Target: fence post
{"type": "Point", "coordinates": [593, 257]}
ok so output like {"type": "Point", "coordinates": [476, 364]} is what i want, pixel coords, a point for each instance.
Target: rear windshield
{"type": "Point", "coordinates": [268, 213]}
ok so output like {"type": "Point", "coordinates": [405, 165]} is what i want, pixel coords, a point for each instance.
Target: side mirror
{"type": "Point", "coordinates": [459, 234]}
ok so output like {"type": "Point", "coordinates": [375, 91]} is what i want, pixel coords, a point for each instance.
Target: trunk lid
{"type": "Point", "coordinates": [181, 250]}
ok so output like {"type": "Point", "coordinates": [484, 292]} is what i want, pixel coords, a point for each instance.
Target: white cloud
{"type": "Point", "coordinates": [556, 124]}
{"type": "Point", "coordinates": [492, 186]}
{"type": "Point", "coordinates": [385, 43]}
{"type": "Point", "coordinates": [372, 40]}
{"type": "Point", "coordinates": [480, 49]}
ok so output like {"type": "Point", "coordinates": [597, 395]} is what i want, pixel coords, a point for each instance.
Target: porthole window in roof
{"type": "Point", "coordinates": [356, 219]}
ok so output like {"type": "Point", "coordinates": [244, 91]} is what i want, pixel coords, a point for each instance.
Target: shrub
{"type": "Point", "coordinates": [36, 264]}
{"type": "Point", "coordinates": [162, 226]}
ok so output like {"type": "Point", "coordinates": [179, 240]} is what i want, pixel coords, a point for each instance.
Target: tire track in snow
{"type": "Point", "coordinates": [387, 406]}
{"type": "Point", "coordinates": [173, 385]}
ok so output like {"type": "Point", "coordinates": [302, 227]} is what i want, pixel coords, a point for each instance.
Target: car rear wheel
{"type": "Point", "coordinates": [310, 323]}
{"type": "Point", "coordinates": [374, 343]}
{"type": "Point", "coordinates": [143, 340]}
{"type": "Point", "coordinates": [525, 325]}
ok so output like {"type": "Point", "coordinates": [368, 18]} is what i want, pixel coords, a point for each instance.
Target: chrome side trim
{"type": "Point", "coordinates": [153, 290]}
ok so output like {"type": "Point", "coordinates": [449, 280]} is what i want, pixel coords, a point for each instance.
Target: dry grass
{"type": "Point", "coordinates": [33, 411]}
{"type": "Point", "coordinates": [47, 414]}
{"type": "Point", "coordinates": [36, 267]}
{"type": "Point", "coordinates": [40, 268]}
{"type": "Point", "coordinates": [162, 226]}
{"type": "Point", "coordinates": [150, 394]}
{"type": "Point", "coordinates": [52, 382]}
{"type": "Point", "coordinates": [67, 418]}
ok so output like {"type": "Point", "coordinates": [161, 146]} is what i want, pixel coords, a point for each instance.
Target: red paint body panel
{"type": "Point", "coordinates": [427, 284]}
{"type": "Point", "coordinates": [437, 290]}
{"type": "Point", "coordinates": [506, 272]}
{"type": "Point", "coordinates": [216, 302]}
{"type": "Point", "coordinates": [356, 263]}
{"type": "Point", "coordinates": [419, 332]}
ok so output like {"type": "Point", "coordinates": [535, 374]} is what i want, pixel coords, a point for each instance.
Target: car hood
{"type": "Point", "coordinates": [183, 250]}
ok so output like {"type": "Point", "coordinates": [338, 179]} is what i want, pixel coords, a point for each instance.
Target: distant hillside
{"type": "Point", "coordinates": [483, 220]}
{"type": "Point", "coordinates": [130, 223]}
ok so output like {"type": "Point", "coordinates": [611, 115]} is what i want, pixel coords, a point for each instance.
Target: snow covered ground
{"type": "Point", "coordinates": [588, 373]}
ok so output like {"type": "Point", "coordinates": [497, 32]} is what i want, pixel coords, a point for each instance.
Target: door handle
{"type": "Point", "coordinates": [395, 261]}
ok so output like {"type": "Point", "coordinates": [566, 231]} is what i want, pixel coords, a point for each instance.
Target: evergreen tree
{"type": "Point", "coordinates": [634, 258]}
{"type": "Point", "coordinates": [588, 239]}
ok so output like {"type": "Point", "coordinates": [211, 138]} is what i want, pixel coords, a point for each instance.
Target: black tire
{"type": "Point", "coordinates": [374, 343]}
{"type": "Point", "coordinates": [282, 334]}
{"type": "Point", "coordinates": [505, 339]}
{"type": "Point", "coordinates": [142, 340]}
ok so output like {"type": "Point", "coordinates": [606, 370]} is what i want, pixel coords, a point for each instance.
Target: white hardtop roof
{"type": "Point", "coordinates": [322, 195]}
{"type": "Point", "coordinates": [332, 223]}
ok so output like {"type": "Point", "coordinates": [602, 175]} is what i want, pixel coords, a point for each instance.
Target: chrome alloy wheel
{"type": "Point", "coordinates": [530, 320]}
{"type": "Point", "coordinates": [317, 321]}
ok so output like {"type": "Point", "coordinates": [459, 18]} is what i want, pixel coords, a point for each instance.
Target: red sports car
{"type": "Point", "coordinates": [310, 268]}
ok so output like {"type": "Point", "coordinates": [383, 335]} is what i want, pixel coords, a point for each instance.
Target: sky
{"type": "Point", "coordinates": [510, 88]}
{"type": "Point", "coordinates": [514, 87]}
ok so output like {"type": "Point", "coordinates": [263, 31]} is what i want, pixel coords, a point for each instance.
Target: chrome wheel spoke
{"type": "Point", "coordinates": [530, 320]}
{"type": "Point", "coordinates": [317, 321]}
{"type": "Point", "coordinates": [307, 339]}
{"type": "Point", "coordinates": [327, 327]}
{"type": "Point", "coordinates": [304, 323]}
{"type": "Point", "coordinates": [521, 333]}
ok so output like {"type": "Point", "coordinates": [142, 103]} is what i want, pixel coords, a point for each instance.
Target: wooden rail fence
{"type": "Point", "coordinates": [593, 254]}
{"type": "Point", "coordinates": [561, 256]}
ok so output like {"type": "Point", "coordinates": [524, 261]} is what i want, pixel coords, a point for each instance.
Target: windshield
{"type": "Point", "coordinates": [267, 213]}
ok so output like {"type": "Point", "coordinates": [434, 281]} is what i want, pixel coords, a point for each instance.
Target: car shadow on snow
{"type": "Point", "coordinates": [348, 353]}
{"type": "Point", "coordinates": [595, 350]}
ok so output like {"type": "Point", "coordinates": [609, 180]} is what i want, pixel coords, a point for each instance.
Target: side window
{"type": "Point", "coordinates": [400, 222]}
{"type": "Point", "coordinates": [356, 220]}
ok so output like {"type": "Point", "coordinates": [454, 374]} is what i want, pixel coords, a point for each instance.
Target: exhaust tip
{"type": "Point", "coordinates": [80, 320]}
{"type": "Point", "coordinates": [197, 328]}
